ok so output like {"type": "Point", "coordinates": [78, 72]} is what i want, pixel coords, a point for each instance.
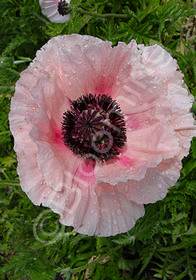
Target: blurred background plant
{"type": "Point", "coordinates": [33, 245]}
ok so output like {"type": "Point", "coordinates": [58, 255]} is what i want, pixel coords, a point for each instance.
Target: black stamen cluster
{"type": "Point", "coordinates": [94, 127]}
{"type": "Point", "coordinates": [63, 7]}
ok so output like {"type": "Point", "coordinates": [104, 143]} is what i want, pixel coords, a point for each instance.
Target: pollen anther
{"type": "Point", "coordinates": [94, 127]}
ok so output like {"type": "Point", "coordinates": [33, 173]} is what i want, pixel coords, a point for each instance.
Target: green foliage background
{"type": "Point", "coordinates": [162, 245]}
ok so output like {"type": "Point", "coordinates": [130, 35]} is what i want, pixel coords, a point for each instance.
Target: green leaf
{"type": "Point", "coordinates": [189, 166]}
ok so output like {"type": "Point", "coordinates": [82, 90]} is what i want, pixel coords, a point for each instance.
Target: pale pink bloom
{"type": "Point", "coordinates": [100, 197]}
{"type": "Point", "coordinates": [56, 10]}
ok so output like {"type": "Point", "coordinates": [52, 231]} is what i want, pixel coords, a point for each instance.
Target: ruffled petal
{"type": "Point", "coordinates": [158, 139]}
{"type": "Point", "coordinates": [82, 211]}
{"type": "Point", "coordinates": [154, 185]}
{"type": "Point", "coordinates": [140, 95]}
{"type": "Point", "coordinates": [159, 63]}
{"type": "Point", "coordinates": [101, 211]}
{"type": "Point", "coordinates": [56, 162]}
{"type": "Point", "coordinates": [49, 94]}
{"type": "Point", "coordinates": [149, 141]}
{"type": "Point", "coordinates": [179, 98]}
{"type": "Point", "coordinates": [115, 211]}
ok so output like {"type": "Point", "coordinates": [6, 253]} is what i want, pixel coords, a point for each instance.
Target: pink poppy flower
{"type": "Point", "coordinates": [100, 131]}
{"type": "Point", "coordinates": [56, 10]}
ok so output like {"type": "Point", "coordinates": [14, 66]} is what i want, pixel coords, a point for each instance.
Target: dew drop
{"type": "Point", "coordinates": [162, 195]}
{"type": "Point", "coordinates": [186, 145]}
{"type": "Point", "coordinates": [126, 188]}
{"type": "Point", "coordinates": [94, 202]}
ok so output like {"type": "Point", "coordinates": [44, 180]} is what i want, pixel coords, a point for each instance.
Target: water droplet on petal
{"type": "Point", "coordinates": [126, 188]}
{"type": "Point", "coordinates": [162, 195]}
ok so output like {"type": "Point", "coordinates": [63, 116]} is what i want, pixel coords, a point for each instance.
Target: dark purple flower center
{"type": "Point", "coordinates": [94, 127]}
{"type": "Point", "coordinates": [63, 7]}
